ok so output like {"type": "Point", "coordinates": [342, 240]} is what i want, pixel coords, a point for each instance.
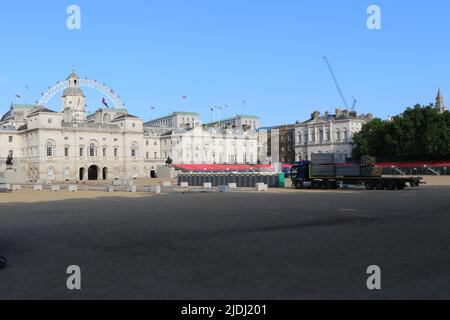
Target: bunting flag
{"type": "Point", "coordinates": [105, 103]}
{"type": "Point", "coordinates": [18, 96]}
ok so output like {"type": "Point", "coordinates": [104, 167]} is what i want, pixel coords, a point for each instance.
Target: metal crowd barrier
{"type": "Point", "coordinates": [244, 180]}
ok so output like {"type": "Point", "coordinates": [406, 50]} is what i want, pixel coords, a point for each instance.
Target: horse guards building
{"type": "Point", "coordinates": [38, 144]}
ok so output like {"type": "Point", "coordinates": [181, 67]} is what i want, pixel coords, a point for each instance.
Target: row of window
{"type": "Point", "coordinates": [312, 137]}
{"type": "Point", "coordinates": [92, 151]}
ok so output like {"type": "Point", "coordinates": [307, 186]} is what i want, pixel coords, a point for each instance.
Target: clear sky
{"type": "Point", "coordinates": [220, 52]}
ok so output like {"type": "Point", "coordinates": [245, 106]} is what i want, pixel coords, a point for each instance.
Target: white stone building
{"type": "Point", "coordinates": [178, 120]}
{"type": "Point", "coordinates": [237, 122]}
{"type": "Point", "coordinates": [210, 146]}
{"type": "Point", "coordinates": [71, 146]}
{"type": "Point", "coordinates": [328, 133]}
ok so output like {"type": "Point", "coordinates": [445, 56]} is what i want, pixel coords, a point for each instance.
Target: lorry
{"type": "Point", "coordinates": [327, 171]}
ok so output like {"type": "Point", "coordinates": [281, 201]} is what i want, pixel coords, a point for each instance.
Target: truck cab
{"type": "Point", "coordinates": [300, 174]}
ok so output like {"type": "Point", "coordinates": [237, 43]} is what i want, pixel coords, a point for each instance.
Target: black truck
{"type": "Point", "coordinates": [324, 171]}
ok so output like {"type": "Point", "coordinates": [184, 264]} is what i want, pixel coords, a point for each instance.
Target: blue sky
{"type": "Point", "coordinates": [220, 52]}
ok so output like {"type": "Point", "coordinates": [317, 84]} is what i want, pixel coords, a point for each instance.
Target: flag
{"type": "Point", "coordinates": [18, 96]}
{"type": "Point", "coordinates": [184, 97]}
{"type": "Point", "coordinates": [105, 103]}
{"type": "Point", "coordinates": [153, 108]}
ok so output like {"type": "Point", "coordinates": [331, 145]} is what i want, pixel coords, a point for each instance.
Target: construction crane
{"type": "Point", "coordinates": [337, 84]}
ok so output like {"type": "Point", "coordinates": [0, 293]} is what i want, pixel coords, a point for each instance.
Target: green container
{"type": "Point", "coordinates": [282, 180]}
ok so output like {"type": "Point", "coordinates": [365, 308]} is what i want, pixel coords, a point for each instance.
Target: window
{"type": "Point", "coordinates": [81, 152]}
{"type": "Point", "coordinates": [116, 152]}
{"type": "Point", "coordinates": [66, 152]}
{"type": "Point", "coordinates": [11, 153]}
{"type": "Point", "coordinates": [147, 143]}
{"type": "Point", "coordinates": [104, 152]}
{"type": "Point", "coordinates": [50, 149]}
{"type": "Point", "coordinates": [50, 173]}
{"type": "Point", "coordinates": [50, 120]}
{"type": "Point", "coordinates": [338, 135]}
{"type": "Point", "coordinates": [156, 155]}
{"type": "Point", "coordinates": [10, 139]}
{"type": "Point", "coordinates": [92, 150]}
{"type": "Point", "coordinates": [147, 155]}
{"type": "Point", "coordinates": [134, 150]}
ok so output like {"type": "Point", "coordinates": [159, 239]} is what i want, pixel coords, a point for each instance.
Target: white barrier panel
{"type": "Point", "coordinates": [72, 188]}
{"type": "Point", "coordinates": [16, 187]}
{"type": "Point", "coordinates": [37, 187]}
{"type": "Point", "coordinates": [156, 189]}
{"type": "Point", "coordinates": [207, 185]}
{"type": "Point", "coordinates": [224, 189]}
{"type": "Point", "coordinates": [232, 186]}
{"type": "Point", "coordinates": [55, 188]}
{"type": "Point", "coordinates": [262, 187]}
{"type": "Point", "coordinates": [109, 189]}
{"type": "Point", "coordinates": [167, 184]}
{"type": "Point", "coordinates": [184, 185]}
{"type": "Point", "coordinates": [130, 188]}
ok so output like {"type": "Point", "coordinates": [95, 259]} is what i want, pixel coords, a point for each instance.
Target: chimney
{"type": "Point", "coordinates": [315, 115]}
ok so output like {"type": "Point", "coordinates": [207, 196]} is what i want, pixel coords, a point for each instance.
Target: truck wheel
{"type": "Point", "coordinates": [380, 185]}
{"type": "Point", "coordinates": [401, 185]}
{"type": "Point", "coordinates": [370, 185]}
{"type": "Point", "coordinates": [391, 185]}
{"type": "Point", "coordinates": [316, 185]}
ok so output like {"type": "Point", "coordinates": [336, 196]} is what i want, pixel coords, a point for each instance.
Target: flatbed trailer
{"type": "Point", "coordinates": [303, 179]}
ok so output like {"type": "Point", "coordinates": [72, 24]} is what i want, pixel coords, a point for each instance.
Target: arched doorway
{"type": "Point", "coordinates": [81, 174]}
{"type": "Point", "coordinates": [105, 173]}
{"type": "Point", "coordinates": [93, 173]}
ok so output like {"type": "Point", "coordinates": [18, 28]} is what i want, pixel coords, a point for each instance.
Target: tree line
{"type": "Point", "coordinates": [419, 133]}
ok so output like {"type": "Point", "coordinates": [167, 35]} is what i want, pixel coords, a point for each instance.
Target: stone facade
{"type": "Point", "coordinates": [70, 146]}
{"type": "Point", "coordinates": [210, 146]}
{"type": "Point", "coordinates": [237, 122]}
{"type": "Point", "coordinates": [328, 133]}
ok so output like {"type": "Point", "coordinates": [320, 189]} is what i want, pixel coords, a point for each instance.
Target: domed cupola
{"type": "Point", "coordinates": [74, 100]}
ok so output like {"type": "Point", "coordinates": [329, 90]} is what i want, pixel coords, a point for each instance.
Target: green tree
{"type": "Point", "coordinates": [419, 132]}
